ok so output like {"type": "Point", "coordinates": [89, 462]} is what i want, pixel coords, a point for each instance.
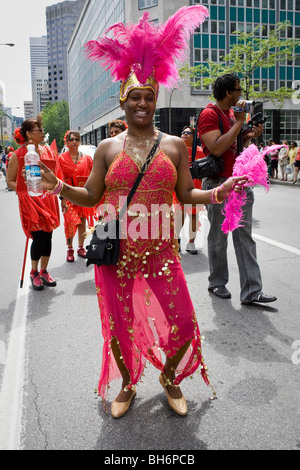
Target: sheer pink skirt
{"type": "Point", "coordinates": [150, 315]}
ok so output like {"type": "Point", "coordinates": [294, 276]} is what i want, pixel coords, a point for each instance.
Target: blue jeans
{"type": "Point", "coordinates": [244, 246]}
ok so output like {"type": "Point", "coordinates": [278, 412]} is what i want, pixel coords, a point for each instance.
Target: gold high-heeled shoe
{"type": "Point", "coordinates": [178, 405]}
{"type": "Point", "coordinates": [120, 408]}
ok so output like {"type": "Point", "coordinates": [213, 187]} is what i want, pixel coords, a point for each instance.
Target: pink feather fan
{"type": "Point", "coordinates": [252, 164]}
{"type": "Point", "coordinates": [147, 48]}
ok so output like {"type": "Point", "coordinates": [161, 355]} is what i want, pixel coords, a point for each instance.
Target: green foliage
{"type": "Point", "coordinates": [56, 121]}
{"type": "Point", "coordinates": [250, 53]}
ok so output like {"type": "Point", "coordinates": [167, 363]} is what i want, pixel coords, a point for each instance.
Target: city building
{"type": "Point", "coordinates": [94, 98]}
{"type": "Point", "coordinates": [39, 73]}
{"type": "Point", "coordinates": [38, 54]}
{"type": "Point", "coordinates": [61, 19]}
{"type": "Point", "coordinates": [28, 110]}
{"type": "Point", "coordinates": [40, 91]}
{"type": "Point", "coordinates": [214, 38]}
{"type": "Point", "coordinates": [8, 124]}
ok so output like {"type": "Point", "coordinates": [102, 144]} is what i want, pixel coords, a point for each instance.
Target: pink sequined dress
{"type": "Point", "coordinates": [144, 300]}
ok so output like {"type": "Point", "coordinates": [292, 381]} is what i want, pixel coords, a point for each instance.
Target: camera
{"type": "Point", "coordinates": [249, 106]}
{"type": "Point", "coordinates": [257, 119]}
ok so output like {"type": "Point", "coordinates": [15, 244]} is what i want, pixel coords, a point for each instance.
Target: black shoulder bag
{"type": "Point", "coordinates": [104, 248]}
{"type": "Point", "coordinates": [207, 167]}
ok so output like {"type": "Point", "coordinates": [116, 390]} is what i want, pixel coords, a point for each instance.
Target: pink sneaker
{"type": "Point", "coordinates": [47, 279]}
{"type": "Point", "coordinates": [70, 255]}
{"type": "Point", "coordinates": [81, 252]}
{"type": "Point", "coordinates": [36, 282]}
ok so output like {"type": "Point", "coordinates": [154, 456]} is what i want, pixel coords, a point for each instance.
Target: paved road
{"type": "Point", "coordinates": [51, 344]}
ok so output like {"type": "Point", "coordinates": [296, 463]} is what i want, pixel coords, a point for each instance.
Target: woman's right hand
{"type": "Point", "coordinates": [48, 177]}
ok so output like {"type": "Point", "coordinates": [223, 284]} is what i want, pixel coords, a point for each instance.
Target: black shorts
{"type": "Point", "coordinates": [274, 164]}
{"type": "Point", "coordinates": [297, 164]}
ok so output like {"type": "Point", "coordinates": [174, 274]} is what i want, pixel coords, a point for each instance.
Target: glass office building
{"type": "Point", "coordinates": [61, 19]}
{"type": "Point", "coordinates": [92, 95]}
{"type": "Point", "coordinates": [94, 98]}
{"type": "Point", "coordinates": [217, 35]}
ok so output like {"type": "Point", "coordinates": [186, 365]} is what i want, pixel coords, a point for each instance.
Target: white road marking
{"type": "Point", "coordinates": [270, 241]}
{"type": "Point", "coordinates": [11, 398]}
{"type": "Point", "coordinates": [283, 246]}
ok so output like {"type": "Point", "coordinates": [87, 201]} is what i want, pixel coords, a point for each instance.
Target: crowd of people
{"type": "Point", "coordinates": [4, 160]}
{"type": "Point", "coordinates": [144, 302]}
{"type": "Point", "coordinates": [287, 159]}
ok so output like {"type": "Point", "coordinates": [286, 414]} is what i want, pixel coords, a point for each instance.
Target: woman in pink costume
{"type": "Point", "coordinates": [145, 306]}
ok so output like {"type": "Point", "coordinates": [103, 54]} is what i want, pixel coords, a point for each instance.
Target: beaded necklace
{"type": "Point", "coordinates": [140, 150]}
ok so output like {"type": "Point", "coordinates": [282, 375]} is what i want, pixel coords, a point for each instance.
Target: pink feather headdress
{"type": "Point", "coordinates": [146, 54]}
{"type": "Point", "coordinates": [252, 164]}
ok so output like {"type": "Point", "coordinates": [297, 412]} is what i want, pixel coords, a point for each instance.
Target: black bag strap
{"type": "Point", "coordinates": [140, 175]}
{"type": "Point", "coordinates": [194, 148]}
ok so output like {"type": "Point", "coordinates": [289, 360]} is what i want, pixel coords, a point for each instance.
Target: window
{"type": "Point", "coordinates": [147, 4]}
{"type": "Point", "coordinates": [213, 26]}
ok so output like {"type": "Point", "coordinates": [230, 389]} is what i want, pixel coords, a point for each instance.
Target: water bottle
{"type": "Point", "coordinates": [33, 172]}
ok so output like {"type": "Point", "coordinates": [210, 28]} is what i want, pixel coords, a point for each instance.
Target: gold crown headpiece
{"type": "Point", "coordinates": [132, 82]}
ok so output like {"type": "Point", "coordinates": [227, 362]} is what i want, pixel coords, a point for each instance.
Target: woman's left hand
{"type": "Point", "coordinates": [64, 206]}
{"type": "Point", "coordinates": [234, 183]}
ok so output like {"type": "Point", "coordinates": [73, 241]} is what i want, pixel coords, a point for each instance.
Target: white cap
{"type": "Point", "coordinates": [30, 147]}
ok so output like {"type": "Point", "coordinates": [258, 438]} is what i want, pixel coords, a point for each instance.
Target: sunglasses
{"type": "Point", "coordinates": [38, 130]}
{"type": "Point", "coordinates": [74, 140]}
{"type": "Point", "coordinates": [186, 133]}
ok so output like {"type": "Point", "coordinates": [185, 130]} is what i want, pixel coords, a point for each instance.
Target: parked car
{"type": "Point", "coordinates": [87, 150]}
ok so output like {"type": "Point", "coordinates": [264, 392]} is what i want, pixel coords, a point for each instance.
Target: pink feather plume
{"type": "Point", "coordinates": [252, 164]}
{"type": "Point", "coordinates": [147, 48]}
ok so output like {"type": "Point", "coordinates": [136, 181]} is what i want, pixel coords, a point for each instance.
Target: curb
{"type": "Point", "coordinates": [285, 183]}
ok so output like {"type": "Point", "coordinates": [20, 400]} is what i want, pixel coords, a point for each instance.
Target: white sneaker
{"type": "Point", "coordinates": [191, 248]}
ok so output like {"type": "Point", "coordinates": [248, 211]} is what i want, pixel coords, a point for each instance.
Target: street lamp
{"type": "Point", "coordinates": [10, 44]}
{"type": "Point", "coordinates": [170, 110]}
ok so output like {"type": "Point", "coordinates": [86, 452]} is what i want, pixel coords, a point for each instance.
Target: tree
{"type": "Point", "coordinates": [249, 53]}
{"type": "Point", "coordinates": [56, 121]}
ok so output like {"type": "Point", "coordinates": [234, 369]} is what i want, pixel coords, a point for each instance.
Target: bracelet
{"type": "Point", "coordinates": [57, 188]}
{"type": "Point", "coordinates": [214, 195]}
{"type": "Point", "coordinates": [62, 187]}
{"type": "Point", "coordinates": [54, 188]}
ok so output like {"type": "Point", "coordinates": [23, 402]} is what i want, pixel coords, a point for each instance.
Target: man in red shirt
{"type": "Point", "coordinates": [227, 90]}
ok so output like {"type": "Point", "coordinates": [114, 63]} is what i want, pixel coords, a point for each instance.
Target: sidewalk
{"type": "Point", "coordinates": [285, 183]}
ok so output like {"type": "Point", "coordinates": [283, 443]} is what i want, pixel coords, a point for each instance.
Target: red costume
{"type": "Point", "coordinates": [39, 212]}
{"type": "Point", "coordinates": [76, 174]}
